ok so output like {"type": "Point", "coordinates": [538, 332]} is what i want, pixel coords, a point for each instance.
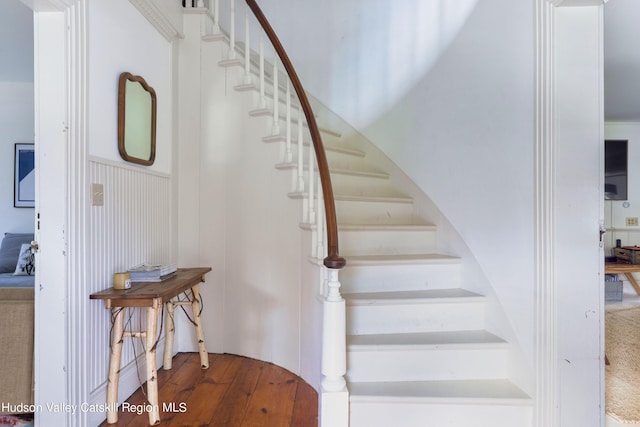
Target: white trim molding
{"type": "Point", "coordinates": [155, 15]}
{"type": "Point", "coordinates": [561, 381]}
{"type": "Point", "coordinates": [77, 210]}
{"type": "Point", "coordinates": [50, 5]}
{"type": "Point", "coordinates": [546, 348]}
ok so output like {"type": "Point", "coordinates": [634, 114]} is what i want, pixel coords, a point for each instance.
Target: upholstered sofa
{"type": "Point", "coordinates": [16, 324]}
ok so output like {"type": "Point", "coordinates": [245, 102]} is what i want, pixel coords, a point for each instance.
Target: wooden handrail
{"type": "Point", "coordinates": [333, 259]}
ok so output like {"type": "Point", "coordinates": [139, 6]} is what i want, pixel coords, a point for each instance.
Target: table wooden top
{"type": "Point", "coordinates": [620, 267]}
{"type": "Point", "coordinates": [144, 294]}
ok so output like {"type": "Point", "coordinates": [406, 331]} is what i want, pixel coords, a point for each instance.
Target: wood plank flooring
{"type": "Point", "coordinates": [235, 392]}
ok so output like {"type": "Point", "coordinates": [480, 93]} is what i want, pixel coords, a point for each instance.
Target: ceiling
{"type": "Point", "coordinates": [621, 53]}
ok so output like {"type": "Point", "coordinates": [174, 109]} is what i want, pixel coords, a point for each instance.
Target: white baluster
{"type": "Point", "coordinates": [215, 10]}
{"type": "Point", "coordinates": [247, 48]}
{"type": "Point", "coordinates": [288, 157]}
{"type": "Point", "coordinates": [310, 183]}
{"type": "Point", "coordinates": [263, 103]}
{"type": "Point", "coordinates": [232, 29]}
{"type": "Point", "coordinates": [334, 355]}
{"type": "Point", "coordinates": [276, 103]}
{"type": "Point", "coordinates": [300, 154]}
{"type": "Point", "coordinates": [320, 251]}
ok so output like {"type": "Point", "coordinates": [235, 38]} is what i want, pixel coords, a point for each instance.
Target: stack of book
{"type": "Point", "coordinates": [152, 273]}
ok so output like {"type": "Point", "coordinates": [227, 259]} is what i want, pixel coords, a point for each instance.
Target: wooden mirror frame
{"type": "Point", "coordinates": [122, 123]}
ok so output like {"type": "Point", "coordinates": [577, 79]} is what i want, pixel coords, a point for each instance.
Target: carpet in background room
{"type": "Point", "coordinates": [622, 375]}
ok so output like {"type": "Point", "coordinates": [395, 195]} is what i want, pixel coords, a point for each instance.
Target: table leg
{"type": "Point", "coordinates": [195, 309]}
{"type": "Point", "coordinates": [152, 373]}
{"type": "Point", "coordinates": [633, 282]}
{"type": "Point", "coordinates": [170, 329]}
{"type": "Point", "coordinates": [114, 364]}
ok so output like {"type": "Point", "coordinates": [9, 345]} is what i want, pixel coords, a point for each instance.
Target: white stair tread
{"type": "Point", "coordinates": [328, 147]}
{"type": "Point", "coordinates": [411, 297]}
{"type": "Point", "coordinates": [370, 173]}
{"type": "Point", "coordinates": [402, 259]}
{"type": "Point", "coordinates": [423, 339]}
{"type": "Point", "coordinates": [384, 198]}
{"type": "Point", "coordinates": [386, 227]}
{"type": "Point", "coordinates": [379, 198]}
{"type": "Point", "coordinates": [494, 391]}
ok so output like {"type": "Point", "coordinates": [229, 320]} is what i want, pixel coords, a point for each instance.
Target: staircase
{"type": "Point", "coordinates": [418, 352]}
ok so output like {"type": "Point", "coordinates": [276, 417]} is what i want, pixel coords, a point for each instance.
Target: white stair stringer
{"type": "Point", "coordinates": [418, 352]}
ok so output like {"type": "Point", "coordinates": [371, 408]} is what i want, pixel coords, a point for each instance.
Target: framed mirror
{"type": "Point", "coordinates": [136, 120]}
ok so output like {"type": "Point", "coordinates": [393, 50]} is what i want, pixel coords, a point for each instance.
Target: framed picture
{"type": "Point", "coordinates": [24, 193]}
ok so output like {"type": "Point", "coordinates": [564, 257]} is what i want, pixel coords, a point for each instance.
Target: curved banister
{"type": "Point", "coordinates": [333, 259]}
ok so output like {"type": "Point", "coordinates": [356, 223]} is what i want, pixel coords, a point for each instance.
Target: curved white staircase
{"type": "Point", "coordinates": [418, 353]}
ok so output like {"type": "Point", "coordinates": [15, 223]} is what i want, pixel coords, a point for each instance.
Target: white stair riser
{"type": "Point", "coordinates": [335, 159]}
{"type": "Point", "coordinates": [342, 160]}
{"type": "Point", "coordinates": [444, 363]}
{"type": "Point", "coordinates": [348, 184]}
{"type": "Point", "coordinates": [410, 414]}
{"type": "Point", "coordinates": [364, 212]}
{"type": "Point", "coordinates": [379, 242]}
{"type": "Point", "coordinates": [383, 319]}
{"type": "Point", "coordinates": [379, 278]}
{"type": "Point", "coordinates": [360, 185]}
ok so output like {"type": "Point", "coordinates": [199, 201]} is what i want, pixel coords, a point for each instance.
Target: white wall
{"type": "Point", "coordinates": [616, 211]}
{"type": "Point", "coordinates": [16, 106]}
{"type": "Point", "coordinates": [465, 135]}
{"type": "Point", "coordinates": [16, 125]}
{"type": "Point", "coordinates": [125, 41]}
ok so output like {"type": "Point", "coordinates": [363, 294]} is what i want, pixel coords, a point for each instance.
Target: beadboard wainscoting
{"type": "Point", "coordinates": [132, 227]}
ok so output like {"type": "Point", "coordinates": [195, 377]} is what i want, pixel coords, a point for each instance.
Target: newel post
{"type": "Point", "coordinates": [334, 400]}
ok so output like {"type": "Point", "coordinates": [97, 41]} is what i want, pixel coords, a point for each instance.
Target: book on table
{"type": "Point", "coordinates": [152, 272]}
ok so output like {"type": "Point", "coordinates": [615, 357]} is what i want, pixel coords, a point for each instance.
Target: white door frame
{"type": "Point", "coordinates": [60, 129]}
{"type": "Point", "coordinates": [569, 121]}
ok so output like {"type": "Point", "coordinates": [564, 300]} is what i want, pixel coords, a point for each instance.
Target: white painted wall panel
{"type": "Point", "coordinates": [132, 227]}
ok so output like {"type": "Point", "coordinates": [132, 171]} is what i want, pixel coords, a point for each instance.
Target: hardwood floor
{"type": "Point", "coordinates": [235, 391]}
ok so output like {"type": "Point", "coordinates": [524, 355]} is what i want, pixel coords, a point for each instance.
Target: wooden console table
{"type": "Point", "coordinates": [626, 269]}
{"type": "Point", "coordinates": [152, 295]}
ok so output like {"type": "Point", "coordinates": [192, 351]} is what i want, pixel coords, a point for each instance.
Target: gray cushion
{"type": "Point", "coordinates": [10, 249]}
